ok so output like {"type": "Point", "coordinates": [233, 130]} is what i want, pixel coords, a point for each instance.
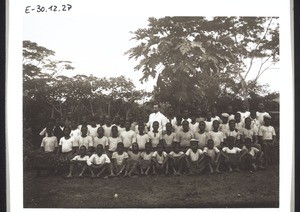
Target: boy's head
{"type": "Point", "coordinates": [185, 126]}
{"type": "Point", "coordinates": [267, 120]}
{"type": "Point", "coordinates": [100, 131]}
{"type": "Point", "coordinates": [84, 130]}
{"type": "Point", "coordinates": [135, 147]}
{"type": "Point", "coordinates": [208, 115]}
{"type": "Point", "coordinates": [260, 107]}
{"type": "Point", "coordinates": [155, 125]}
{"type": "Point", "coordinates": [248, 121]}
{"type": "Point", "coordinates": [210, 143]}
{"type": "Point", "coordinates": [127, 125]}
{"type": "Point", "coordinates": [82, 150]}
{"type": "Point", "coordinates": [114, 130]}
{"type": "Point", "coordinates": [202, 126]}
{"type": "Point", "coordinates": [84, 120]}
{"type": "Point", "coordinates": [225, 117]}
{"type": "Point", "coordinates": [61, 122]}
{"type": "Point", "coordinates": [253, 114]}
{"type": "Point", "coordinates": [229, 109]}
{"type": "Point", "coordinates": [120, 147]}
{"type": "Point", "coordinates": [99, 149]}
{"type": "Point", "coordinates": [216, 125]}
{"type": "Point", "coordinates": [101, 119]}
{"type": "Point", "coordinates": [74, 125]}
{"type": "Point", "coordinates": [67, 131]}
{"type": "Point", "coordinates": [185, 113]}
{"type": "Point", "coordinates": [122, 121]}
{"type": "Point", "coordinates": [168, 127]}
{"type": "Point", "coordinates": [170, 111]}
{"type": "Point", "coordinates": [231, 124]}
{"type": "Point", "coordinates": [49, 130]}
{"type": "Point", "coordinates": [130, 117]}
{"type": "Point", "coordinates": [248, 142]}
{"type": "Point", "coordinates": [230, 141]}
{"type": "Point", "coordinates": [237, 117]}
{"type": "Point", "coordinates": [194, 144]}
{"type": "Point", "coordinates": [179, 119]}
{"type": "Point", "coordinates": [160, 148]}
{"type": "Point", "coordinates": [117, 119]}
{"type": "Point", "coordinates": [141, 129]}
{"type": "Point", "coordinates": [198, 112]}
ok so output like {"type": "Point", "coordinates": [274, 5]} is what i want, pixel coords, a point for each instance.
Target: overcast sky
{"type": "Point", "coordinates": [96, 45]}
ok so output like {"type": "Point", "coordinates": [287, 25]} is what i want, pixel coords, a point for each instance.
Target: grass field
{"type": "Point", "coordinates": [245, 189]}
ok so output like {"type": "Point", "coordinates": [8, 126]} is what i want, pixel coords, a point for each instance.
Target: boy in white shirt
{"type": "Point", "coordinates": [266, 137]}
{"type": "Point", "coordinates": [251, 156]}
{"type": "Point", "coordinates": [231, 155]}
{"type": "Point", "coordinates": [146, 162]}
{"type": "Point", "coordinates": [79, 161]}
{"type": "Point", "coordinates": [184, 137]}
{"type": "Point", "coordinates": [216, 135]}
{"type": "Point", "coordinates": [127, 136]}
{"type": "Point", "coordinates": [212, 155]}
{"type": "Point", "coordinates": [141, 138]}
{"type": "Point", "coordinates": [194, 158]}
{"type": "Point", "coordinates": [119, 161]}
{"type": "Point", "coordinates": [98, 162]}
{"type": "Point", "coordinates": [85, 140]}
{"type": "Point", "coordinates": [160, 160]}
{"type": "Point", "coordinates": [176, 159]}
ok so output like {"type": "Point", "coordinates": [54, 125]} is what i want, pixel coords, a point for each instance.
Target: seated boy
{"type": "Point", "coordinates": [146, 162]}
{"type": "Point", "coordinates": [194, 158]}
{"type": "Point", "coordinates": [251, 156]}
{"type": "Point", "coordinates": [79, 161]}
{"type": "Point", "coordinates": [160, 160]}
{"type": "Point", "coordinates": [212, 155]}
{"type": "Point", "coordinates": [119, 161]}
{"type": "Point", "coordinates": [176, 159]}
{"type": "Point", "coordinates": [98, 162]}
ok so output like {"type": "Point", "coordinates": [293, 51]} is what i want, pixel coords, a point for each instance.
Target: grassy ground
{"type": "Point", "coordinates": [245, 189]}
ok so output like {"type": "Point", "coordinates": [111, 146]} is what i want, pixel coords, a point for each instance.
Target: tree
{"type": "Point", "coordinates": [196, 59]}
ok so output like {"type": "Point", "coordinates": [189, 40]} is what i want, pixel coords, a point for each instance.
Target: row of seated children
{"type": "Point", "coordinates": [126, 161]}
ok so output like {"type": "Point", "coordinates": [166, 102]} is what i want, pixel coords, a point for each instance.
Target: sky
{"type": "Point", "coordinates": [96, 45]}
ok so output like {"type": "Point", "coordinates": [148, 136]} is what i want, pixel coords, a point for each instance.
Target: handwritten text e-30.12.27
{"type": "Point", "coordinates": [52, 8]}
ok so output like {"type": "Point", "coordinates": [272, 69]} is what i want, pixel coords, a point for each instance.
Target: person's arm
{"type": "Point", "coordinates": [43, 146]}
{"type": "Point", "coordinates": [166, 159]}
{"type": "Point", "coordinates": [59, 149]}
{"type": "Point", "coordinates": [222, 152]}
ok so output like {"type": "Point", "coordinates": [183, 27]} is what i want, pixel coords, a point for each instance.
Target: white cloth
{"type": "Point", "coordinates": [217, 137]}
{"type": "Point", "coordinates": [146, 156]}
{"type": "Point", "coordinates": [127, 137]}
{"type": "Point", "coordinates": [252, 151]}
{"type": "Point", "coordinates": [75, 133]}
{"type": "Point", "coordinates": [113, 142]}
{"type": "Point", "coordinates": [96, 160]}
{"type": "Point", "coordinates": [194, 127]}
{"type": "Point", "coordinates": [154, 137]}
{"type": "Point", "coordinates": [103, 141]}
{"type": "Point", "coordinates": [133, 156]}
{"type": "Point", "coordinates": [169, 138]}
{"type": "Point", "coordinates": [233, 133]}
{"type": "Point", "coordinates": [160, 158]}
{"type": "Point", "coordinates": [175, 155]}
{"type": "Point", "coordinates": [141, 140]}
{"type": "Point", "coordinates": [49, 144]}
{"type": "Point", "coordinates": [119, 158]}
{"type": "Point", "coordinates": [194, 156]}
{"type": "Point", "coordinates": [234, 150]}
{"type": "Point", "coordinates": [267, 133]}
{"type": "Point", "coordinates": [184, 138]}
{"type": "Point", "coordinates": [107, 130]}
{"type": "Point", "coordinates": [79, 158]}
{"type": "Point", "coordinates": [211, 152]}
{"type": "Point", "coordinates": [93, 131]}
{"type": "Point", "coordinates": [260, 117]}
{"type": "Point", "coordinates": [67, 144]}
{"type": "Point", "coordinates": [85, 141]}
{"type": "Point", "coordinates": [202, 138]}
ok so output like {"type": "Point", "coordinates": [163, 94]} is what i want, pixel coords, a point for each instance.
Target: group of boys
{"type": "Point", "coordinates": [167, 144]}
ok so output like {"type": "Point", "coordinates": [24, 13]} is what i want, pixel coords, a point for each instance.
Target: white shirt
{"type": "Point", "coordinates": [174, 154]}
{"type": "Point", "coordinates": [141, 140]}
{"type": "Point", "coordinates": [134, 156]}
{"type": "Point", "coordinates": [169, 138]}
{"type": "Point", "coordinates": [93, 131]}
{"type": "Point", "coordinates": [119, 158]}
{"type": "Point", "coordinates": [86, 141]}
{"type": "Point", "coordinates": [95, 159]}
{"type": "Point", "coordinates": [252, 151]}
{"type": "Point", "coordinates": [194, 155]}
{"type": "Point", "coordinates": [103, 141]}
{"type": "Point", "coordinates": [194, 127]}
{"type": "Point", "coordinates": [49, 144]}
{"type": "Point", "coordinates": [146, 156]}
{"type": "Point", "coordinates": [217, 137]}
{"type": "Point", "coordinates": [184, 138]}
{"type": "Point", "coordinates": [75, 133]}
{"type": "Point", "coordinates": [160, 158]}
{"type": "Point", "coordinates": [211, 152]}
{"type": "Point", "coordinates": [112, 143]}
{"type": "Point", "coordinates": [202, 138]}
{"type": "Point", "coordinates": [208, 126]}
{"type": "Point", "coordinates": [260, 117]}
{"type": "Point", "coordinates": [155, 137]}
{"type": "Point", "coordinates": [160, 118]}
{"type": "Point", "coordinates": [107, 130]}
{"type": "Point", "coordinates": [216, 118]}
{"type": "Point", "coordinates": [267, 133]}
{"type": "Point", "coordinates": [233, 133]}
{"type": "Point", "coordinates": [234, 150]}
{"type": "Point", "coordinates": [127, 137]}
{"type": "Point", "coordinates": [244, 115]}
{"type": "Point", "coordinates": [67, 144]}
{"type": "Point", "coordinates": [79, 158]}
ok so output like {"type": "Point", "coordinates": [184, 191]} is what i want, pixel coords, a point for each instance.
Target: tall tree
{"type": "Point", "coordinates": [193, 57]}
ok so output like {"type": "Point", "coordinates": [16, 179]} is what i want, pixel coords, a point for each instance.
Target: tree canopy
{"type": "Point", "coordinates": [197, 60]}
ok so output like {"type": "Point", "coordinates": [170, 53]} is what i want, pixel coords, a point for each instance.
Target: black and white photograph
{"type": "Point", "coordinates": [150, 111]}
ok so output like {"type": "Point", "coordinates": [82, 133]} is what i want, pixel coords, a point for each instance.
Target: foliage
{"type": "Point", "coordinates": [197, 60]}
